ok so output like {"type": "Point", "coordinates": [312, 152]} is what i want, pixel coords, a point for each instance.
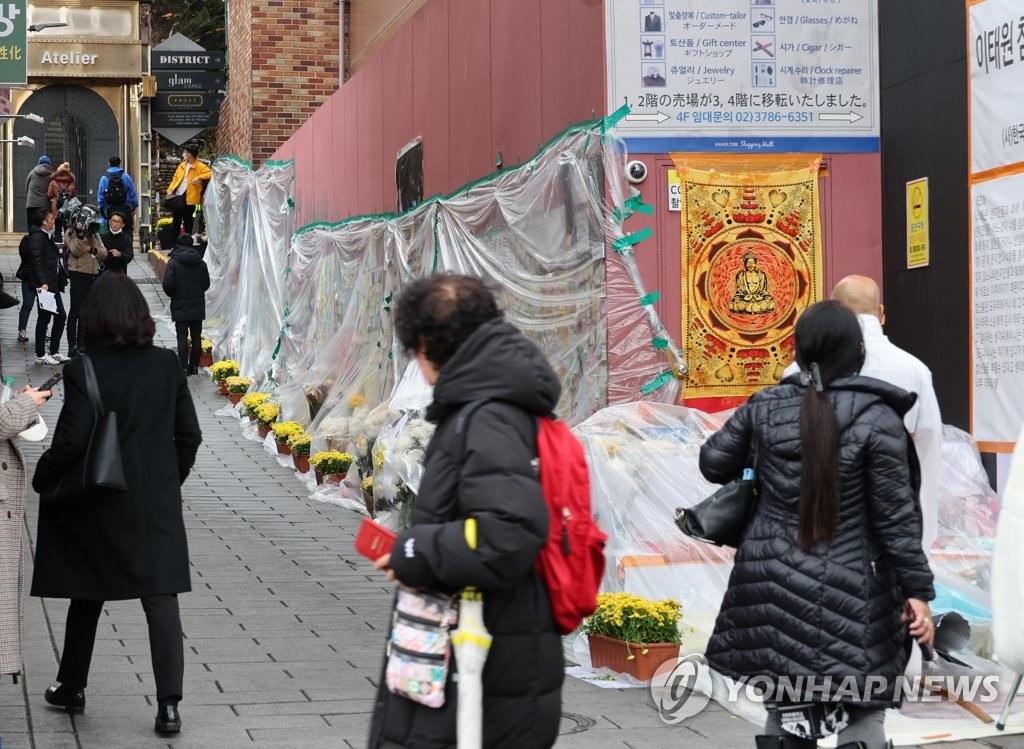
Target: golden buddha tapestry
{"type": "Point", "coordinates": [751, 263]}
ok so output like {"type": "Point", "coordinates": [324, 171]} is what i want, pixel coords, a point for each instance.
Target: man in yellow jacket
{"type": "Point", "coordinates": [189, 180]}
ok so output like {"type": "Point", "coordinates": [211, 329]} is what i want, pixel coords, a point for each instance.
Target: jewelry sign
{"type": "Point", "coordinates": [747, 76]}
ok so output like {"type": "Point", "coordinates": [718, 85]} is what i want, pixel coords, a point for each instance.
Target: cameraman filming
{"type": "Point", "coordinates": [85, 255]}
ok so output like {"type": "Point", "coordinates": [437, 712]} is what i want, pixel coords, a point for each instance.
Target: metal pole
{"type": "Point", "coordinates": [1003, 716]}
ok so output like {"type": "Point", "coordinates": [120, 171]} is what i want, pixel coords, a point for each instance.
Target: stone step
{"type": "Point", "coordinates": [9, 242]}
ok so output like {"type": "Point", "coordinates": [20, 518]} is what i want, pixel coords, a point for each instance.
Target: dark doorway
{"type": "Point", "coordinates": [80, 129]}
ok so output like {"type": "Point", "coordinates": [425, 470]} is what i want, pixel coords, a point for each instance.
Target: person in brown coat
{"type": "Point", "coordinates": [62, 189]}
{"type": "Point", "coordinates": [16, 415]}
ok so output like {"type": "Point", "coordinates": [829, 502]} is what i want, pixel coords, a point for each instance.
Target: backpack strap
{"type": "Point", "coordinates": [462, 424]}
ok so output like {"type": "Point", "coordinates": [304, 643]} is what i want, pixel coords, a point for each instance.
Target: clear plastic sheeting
{"type": "Point", "coordinates": [644, 464]}
{"type": "Point", "coordinates": [249, 222]}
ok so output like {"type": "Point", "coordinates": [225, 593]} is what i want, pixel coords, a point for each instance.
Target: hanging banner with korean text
{"type": "Point", "coordinates": [995, 54]}
{"type": "Point", "coordinates": [13, 57]}
{"type": "Point", "coordinates": [752, 76]}
{"type": "Point", "coordinates": [752, 262]}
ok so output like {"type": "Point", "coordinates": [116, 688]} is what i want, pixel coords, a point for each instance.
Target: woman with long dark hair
{"type": "Point", "coordinates": [131, 544]}
{"type": "Point", "coordinates": [831, 560]}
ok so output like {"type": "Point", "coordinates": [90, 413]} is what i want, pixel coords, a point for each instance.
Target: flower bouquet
{"type": "Point", "coordinates": [367, 487]}
{"type": "Point", "coordinates": [331, 466]}
{"type": "Point", "coordinates": [299, 445]}
{"type": "Point", "coordinates": [283, 430]}
{"type": "Point", "coordinates": [237, 387]}
{"type": "Point", "coordinates": [632, 634]}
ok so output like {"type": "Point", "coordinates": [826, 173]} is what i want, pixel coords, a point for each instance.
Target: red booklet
{"type": "Point", "coordinates": [374, 540]}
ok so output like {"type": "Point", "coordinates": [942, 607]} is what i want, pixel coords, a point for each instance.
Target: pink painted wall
{"type": "Point", "coordinates": [473, 78]}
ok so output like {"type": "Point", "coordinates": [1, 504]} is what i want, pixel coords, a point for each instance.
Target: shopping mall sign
{"type": "Point", "coordinates": [13, 58]}
{"type": "Point", "coordinates": [749, 76]}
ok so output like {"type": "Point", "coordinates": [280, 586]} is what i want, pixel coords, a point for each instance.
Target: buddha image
{"type": "Point", "coordinates": [752, 297]}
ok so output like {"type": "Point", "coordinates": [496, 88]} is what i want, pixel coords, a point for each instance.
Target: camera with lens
{"type": "Point", "coordinates": [83, 219]}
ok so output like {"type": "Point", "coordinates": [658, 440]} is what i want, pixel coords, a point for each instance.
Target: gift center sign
{"type": "Point", "coordinates": [13, 59]}
{"type": "Point", "coordinates": [745, 75]}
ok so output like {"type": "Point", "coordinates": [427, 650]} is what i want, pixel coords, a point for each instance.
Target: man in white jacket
{"type": "Point", "coordinates": [884, 360]}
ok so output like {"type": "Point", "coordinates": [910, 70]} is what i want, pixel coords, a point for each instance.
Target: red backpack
{"type": "Point", "coordinates": [571, 564]}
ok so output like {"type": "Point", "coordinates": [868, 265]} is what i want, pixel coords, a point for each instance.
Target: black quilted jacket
{"type": "Point", "coordinates": [834, 611]}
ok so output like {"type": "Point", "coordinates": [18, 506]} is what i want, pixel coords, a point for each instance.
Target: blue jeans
{"type": "Point", "coordinates": [28, 301]}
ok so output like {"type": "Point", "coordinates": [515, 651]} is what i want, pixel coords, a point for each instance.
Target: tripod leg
{"type": "Point", "coordinates": [1004, 716]}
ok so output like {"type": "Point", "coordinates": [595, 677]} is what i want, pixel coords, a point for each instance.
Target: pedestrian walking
{"type": "Point", "coordinates": [61, 190]}
{"type": "Point", "coordinates": [185, 282]}
{"type": "Point", "coordinates": [46, 273]}
{"type": "Point", "coordinates": [467, 350]}
{"type": "Point", "coordinates": [132, 544]}
{"type": "Point", "coordinates": [116, 192]}
{"type": "Point", "coordinates": [832, 557]}
{"type": "Point", "coordinates": [118, 244]}
{"type": "Point", "coordinates": [16, 415]}
{"type": "Point", "coordinates": [86, 254]}
{"type": "Point", "coordinates": [189, 179]}
{"type": "Point", "coordinates": [37, 187]}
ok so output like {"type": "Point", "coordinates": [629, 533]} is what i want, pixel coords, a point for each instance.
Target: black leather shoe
{"type": "Point", "coordinates": [72, 700]}
{"type": "Point", "coordinates": [167, 718]}
{"type": "Point", "coordinates": [193, 370]}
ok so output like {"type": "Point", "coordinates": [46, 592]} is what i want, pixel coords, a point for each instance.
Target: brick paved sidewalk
{"type": "Point", "coordinates": [284, 626]}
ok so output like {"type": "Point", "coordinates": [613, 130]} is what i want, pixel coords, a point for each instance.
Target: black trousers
{"type": "Point", "coordinates": [184, 217]}
{"type": "Point", "coordinates": [165, 644]}
{"type": "Point", "coordinates": [43, 320]}
{"type": "Point", "coordinates": [80, 285]}
{"type": "Point", "coordinates": [186, 328]}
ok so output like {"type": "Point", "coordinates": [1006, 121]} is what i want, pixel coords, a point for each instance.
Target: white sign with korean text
{"type": "Point", "coordinates": [745, 75]}
{"type": "Point", "coordinates": [997, 308]}
{"type": "Point", "coordinates": [996, 39]}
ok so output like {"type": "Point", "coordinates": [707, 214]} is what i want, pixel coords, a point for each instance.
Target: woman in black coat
{"type": "Point", "coordinates": [185, 282]}
{"type": "Point", "coordinates": [133, 544]}
{"type": "Point", "coordinates": [45, 271]}
{"type": "Point", "coordinates": [488, 472]}
{"type": "Point", "coordinates": [832, 557]}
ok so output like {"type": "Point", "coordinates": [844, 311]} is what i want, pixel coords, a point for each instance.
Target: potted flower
{"type": "Point", "coordinates": [331, 466]}
{"type": "Point", "coordinates": [221, 370]}
{"type": "Point", "coordinates": [206, 352]}
{"type": "Point", "coordinates": [266, 414]}
{"type": "Point", "coordinates": [367, 487]}
{"type": "Point", "coordinates": [282, 431]}
{"type": "Point", "coordinates": [250, 401]}
{"type": "Point", "coordinates": [633, 635]}
{"type": "Point", "coordinates": [237, 387]}
{"type": "Point", "coordinates": [299, 445]}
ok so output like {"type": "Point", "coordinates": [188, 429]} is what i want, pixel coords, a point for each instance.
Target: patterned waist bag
{"type": "Point", "coordinates": [419, 649]}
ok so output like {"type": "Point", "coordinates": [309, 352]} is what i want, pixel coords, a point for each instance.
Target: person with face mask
{"type": "Point", "coordinates": [44, 271]}
{"type": "Point", "coordinates": [118, 244]}
{"type": "Point", "coordinates": [189, 180]}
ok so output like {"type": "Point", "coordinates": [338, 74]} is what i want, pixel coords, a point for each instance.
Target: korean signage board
{"type": "Point", "coordinates": [759, 76]}
{"type": "Point", "coordinates": [917, 223]}
{"type": "Point", "coordinates": [995, 56]}
{"type": "Point", "coordinates": [13, 55]}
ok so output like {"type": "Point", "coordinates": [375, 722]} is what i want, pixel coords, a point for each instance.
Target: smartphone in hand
{"type": "Point", "coordinates": [374, 540]}
{"type": "Point", "coordinates": [48, 385]}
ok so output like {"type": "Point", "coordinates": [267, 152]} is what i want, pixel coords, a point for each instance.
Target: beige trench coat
{"type": "Point", "coordinates": [16, 415]}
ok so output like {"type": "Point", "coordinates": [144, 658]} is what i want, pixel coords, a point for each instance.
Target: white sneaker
{"type": "Point", "coordinates": [59, 358]}
{"type": "Point", "coordinates": [46, 359]}
{"type": "Point", "coordinates": [22, 336]}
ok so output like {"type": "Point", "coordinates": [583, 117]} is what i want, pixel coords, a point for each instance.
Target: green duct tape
{"type": "Point", "coordinates": [659, 343]}
{"type": "Point", "coordinates": [631, 239]}
{"type": "Point", "coordinates": [651, 298]}
{"type": "Point", "coordinates": [615, 117]}
{"type": "Point", "coordinates": [658, 382]}
{"type": "Point", "coordinates": [637, 204]}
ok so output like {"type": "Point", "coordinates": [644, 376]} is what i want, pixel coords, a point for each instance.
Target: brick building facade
{"type": "Point", "coordinates": [283, 63]}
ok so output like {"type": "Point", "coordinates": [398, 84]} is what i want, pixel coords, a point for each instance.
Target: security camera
{"type": "Point", "coordinates": [636, 171]}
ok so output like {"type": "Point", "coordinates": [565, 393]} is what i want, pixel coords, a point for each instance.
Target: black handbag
{"type": "Point", "coordinates": [174, 203]}
{"type": "Point", "coordinates": [722, 518]}
{"type": "Point", "coordinates": [99, 473]}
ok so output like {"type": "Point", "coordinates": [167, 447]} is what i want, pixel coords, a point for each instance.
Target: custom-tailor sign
{"type": "Point", "coordinates": [745, 76]}
{"type": "Point", "coordinates": [190, 60]}
{"type": "Point", "coordinates": [188, 80]}
{"type": "Point", "coordinates": [13, 57]}
{"type": "Point", "coordinates": [99, 59]}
